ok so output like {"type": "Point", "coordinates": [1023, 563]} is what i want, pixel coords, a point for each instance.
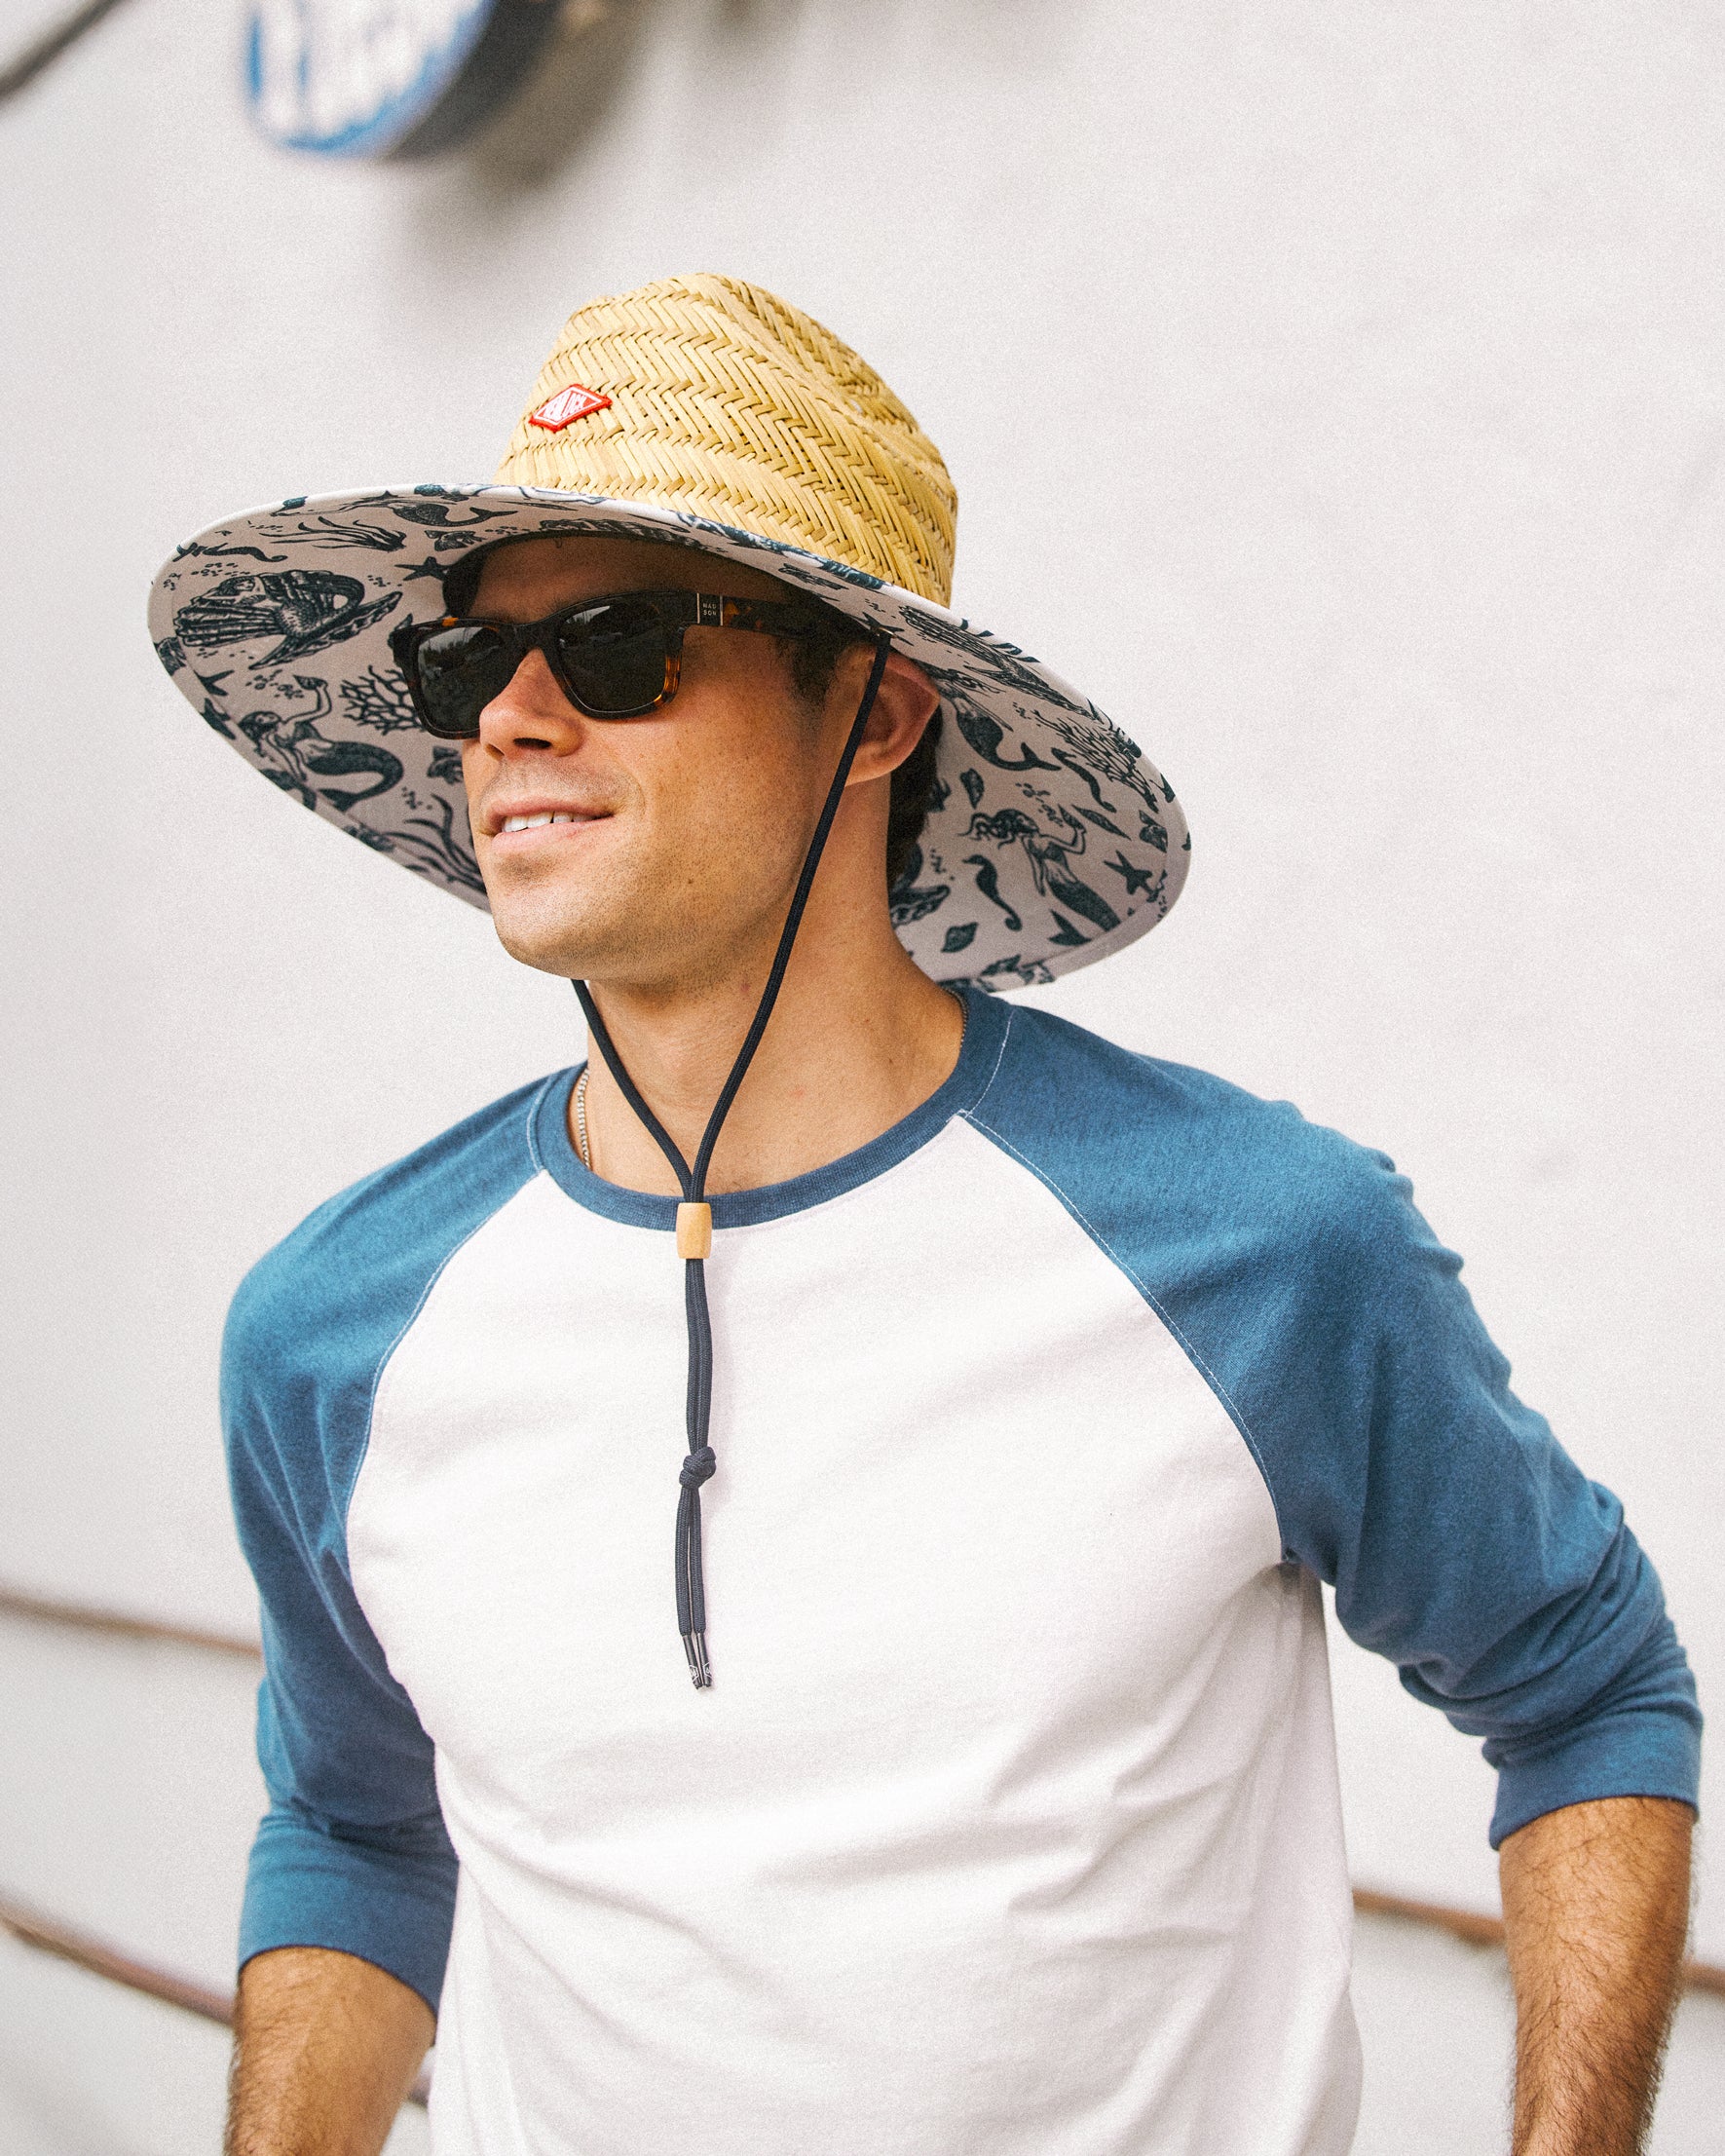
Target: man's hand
{"type": "Point", "coordinates": [325, 2046]}
{"type": "Point", "coordinates": [1596, 1902]}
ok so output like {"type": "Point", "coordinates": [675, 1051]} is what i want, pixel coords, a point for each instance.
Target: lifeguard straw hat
{"type": "Point", "coordinates": [702, 412]}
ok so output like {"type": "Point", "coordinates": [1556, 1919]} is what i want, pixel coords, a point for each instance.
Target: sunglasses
{"type": "Point", "coordinates": [616, 658]}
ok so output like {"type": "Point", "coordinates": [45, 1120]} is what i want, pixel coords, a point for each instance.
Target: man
{"type": "Point", "coordinates": [1012, 1393]}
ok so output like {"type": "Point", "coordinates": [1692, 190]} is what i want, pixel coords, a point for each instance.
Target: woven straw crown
{"type": "Point", "coordinates": [700, 411]}
{"type": "Point", "coordinates": [729, 405]}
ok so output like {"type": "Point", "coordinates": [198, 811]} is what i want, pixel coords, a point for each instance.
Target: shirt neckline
{"type": "Point", "coordinates": [985, 1022]}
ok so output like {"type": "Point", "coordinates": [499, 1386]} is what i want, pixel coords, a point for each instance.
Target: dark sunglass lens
{"type": "Point", "coordinates": [460, 672]}
{"type": "Point", "coordinates": [613, 656]}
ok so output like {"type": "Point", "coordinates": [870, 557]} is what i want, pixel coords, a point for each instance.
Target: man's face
{"type": "Point", "coordinates": [685, 829]}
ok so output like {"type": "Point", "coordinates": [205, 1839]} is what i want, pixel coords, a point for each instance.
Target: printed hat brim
{"type": "Point", "coordinates": [1051, 841]}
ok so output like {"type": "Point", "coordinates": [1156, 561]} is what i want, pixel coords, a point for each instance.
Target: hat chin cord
{"type": "Point", "coordinates": [694, 1217]}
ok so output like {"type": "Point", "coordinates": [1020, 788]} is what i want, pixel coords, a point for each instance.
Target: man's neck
{"type": "Point", "coordinates": [858, 1038]}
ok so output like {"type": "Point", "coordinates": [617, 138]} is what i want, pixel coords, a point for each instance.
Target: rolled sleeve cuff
{"type": "Point", "coordinates": [1653, 1751]}
{"type": "Point", "coordinates": [387, 1898]}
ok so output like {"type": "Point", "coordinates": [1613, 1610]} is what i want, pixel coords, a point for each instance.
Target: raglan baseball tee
{"type": "Point", "coordinates": [1010, 1823]}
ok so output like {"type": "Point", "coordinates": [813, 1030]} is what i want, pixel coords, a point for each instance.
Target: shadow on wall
{"type": "Point", "coordinates": [543, 131]}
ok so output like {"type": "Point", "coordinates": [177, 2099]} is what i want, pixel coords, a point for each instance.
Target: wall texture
{"type": "Point", "coordinates": [1333, 390]}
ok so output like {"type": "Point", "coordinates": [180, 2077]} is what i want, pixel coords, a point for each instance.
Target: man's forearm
{"type": "Point", "coordinates": [1595, 1901]}
{"type": "Point", "coordinates": [325, 2046]}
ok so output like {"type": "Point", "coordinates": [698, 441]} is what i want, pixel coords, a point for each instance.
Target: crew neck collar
{"type": "Point", "coordinates": [986, 1023]}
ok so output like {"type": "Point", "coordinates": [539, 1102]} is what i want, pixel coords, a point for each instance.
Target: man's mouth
{"type": "Point", "coordinates": [545, 816]}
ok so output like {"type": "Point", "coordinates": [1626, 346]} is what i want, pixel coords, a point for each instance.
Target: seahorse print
{"type": "Point", "coordinates": [1048, 858]}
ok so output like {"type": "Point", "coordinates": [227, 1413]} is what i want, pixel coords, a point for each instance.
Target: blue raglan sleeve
{"type": "Point", "coordinates": [352, 1852]}
{"type": "Point", "coordinates": [1462, 1541]}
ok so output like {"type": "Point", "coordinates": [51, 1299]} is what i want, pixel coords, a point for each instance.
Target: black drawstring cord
{"type": "Point", "coordinates": [698, 1466]}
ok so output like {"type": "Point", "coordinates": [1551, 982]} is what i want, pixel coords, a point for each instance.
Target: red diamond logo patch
{"type": "Point", "coordinates": [566, 407]}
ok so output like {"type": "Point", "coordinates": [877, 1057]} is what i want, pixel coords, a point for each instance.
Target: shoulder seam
{"type": "Point", "coordinates": [993, 1068]}
{"type": "Point", "coordinates": [533, 1107]}
{"type": "Point", "coordinates": [1210, 1377]}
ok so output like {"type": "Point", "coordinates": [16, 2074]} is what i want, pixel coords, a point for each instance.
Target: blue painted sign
{"type": "Point", "coordinates": [386, 78]}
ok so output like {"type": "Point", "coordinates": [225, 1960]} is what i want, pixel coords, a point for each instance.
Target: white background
{"type": "Point", "coordinates": [1332, 391]}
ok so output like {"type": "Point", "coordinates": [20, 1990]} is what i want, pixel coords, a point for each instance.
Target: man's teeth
{"type": "Point", "coordinates": [544, 815]}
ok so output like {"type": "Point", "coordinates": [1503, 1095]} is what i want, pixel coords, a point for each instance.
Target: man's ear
{"type": "Point", "coordinates": [904, 703]}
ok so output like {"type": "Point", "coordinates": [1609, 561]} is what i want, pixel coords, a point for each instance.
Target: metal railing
{"type": "Point", "coordinates": [49, 1935]}
{"type": "Point", "coordinates": [1475, 1930]}
{"type": "Point", "coordinates": [76, 1617]}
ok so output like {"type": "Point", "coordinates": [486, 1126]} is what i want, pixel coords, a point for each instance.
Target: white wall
{"type": "Point", "coordinates": [1333, 388]}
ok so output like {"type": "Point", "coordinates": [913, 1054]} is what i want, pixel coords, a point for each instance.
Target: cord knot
{"type": "Point", "coordinates": [698, 1467]}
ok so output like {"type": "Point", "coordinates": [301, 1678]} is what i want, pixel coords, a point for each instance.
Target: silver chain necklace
{"type": "Point", "coordinates": [580, 1119]}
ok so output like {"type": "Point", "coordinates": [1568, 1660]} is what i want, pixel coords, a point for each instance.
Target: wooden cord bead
{"type": "Point", "coordinates": [694, 1231]}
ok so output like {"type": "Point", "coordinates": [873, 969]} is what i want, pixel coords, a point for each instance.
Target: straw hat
{"type": "Point", "coordinates": [702, 412]}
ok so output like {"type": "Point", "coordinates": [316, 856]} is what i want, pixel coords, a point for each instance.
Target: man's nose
{"type": "Point", "coordinates": [531, 714]}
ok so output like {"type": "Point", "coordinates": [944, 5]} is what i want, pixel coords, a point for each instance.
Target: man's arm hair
{"type": "Point", "coordinates": [326, 2048]}
{"type": "Point", "coordinates": [1595, 1901]}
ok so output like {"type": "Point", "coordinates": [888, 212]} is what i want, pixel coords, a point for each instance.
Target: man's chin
{"type": "Point", "coordinates": [556, 945]}
{"type": "Point", "coordinates": [554, 933]}
{"type": "Point", "coordinates": [545, 920]}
